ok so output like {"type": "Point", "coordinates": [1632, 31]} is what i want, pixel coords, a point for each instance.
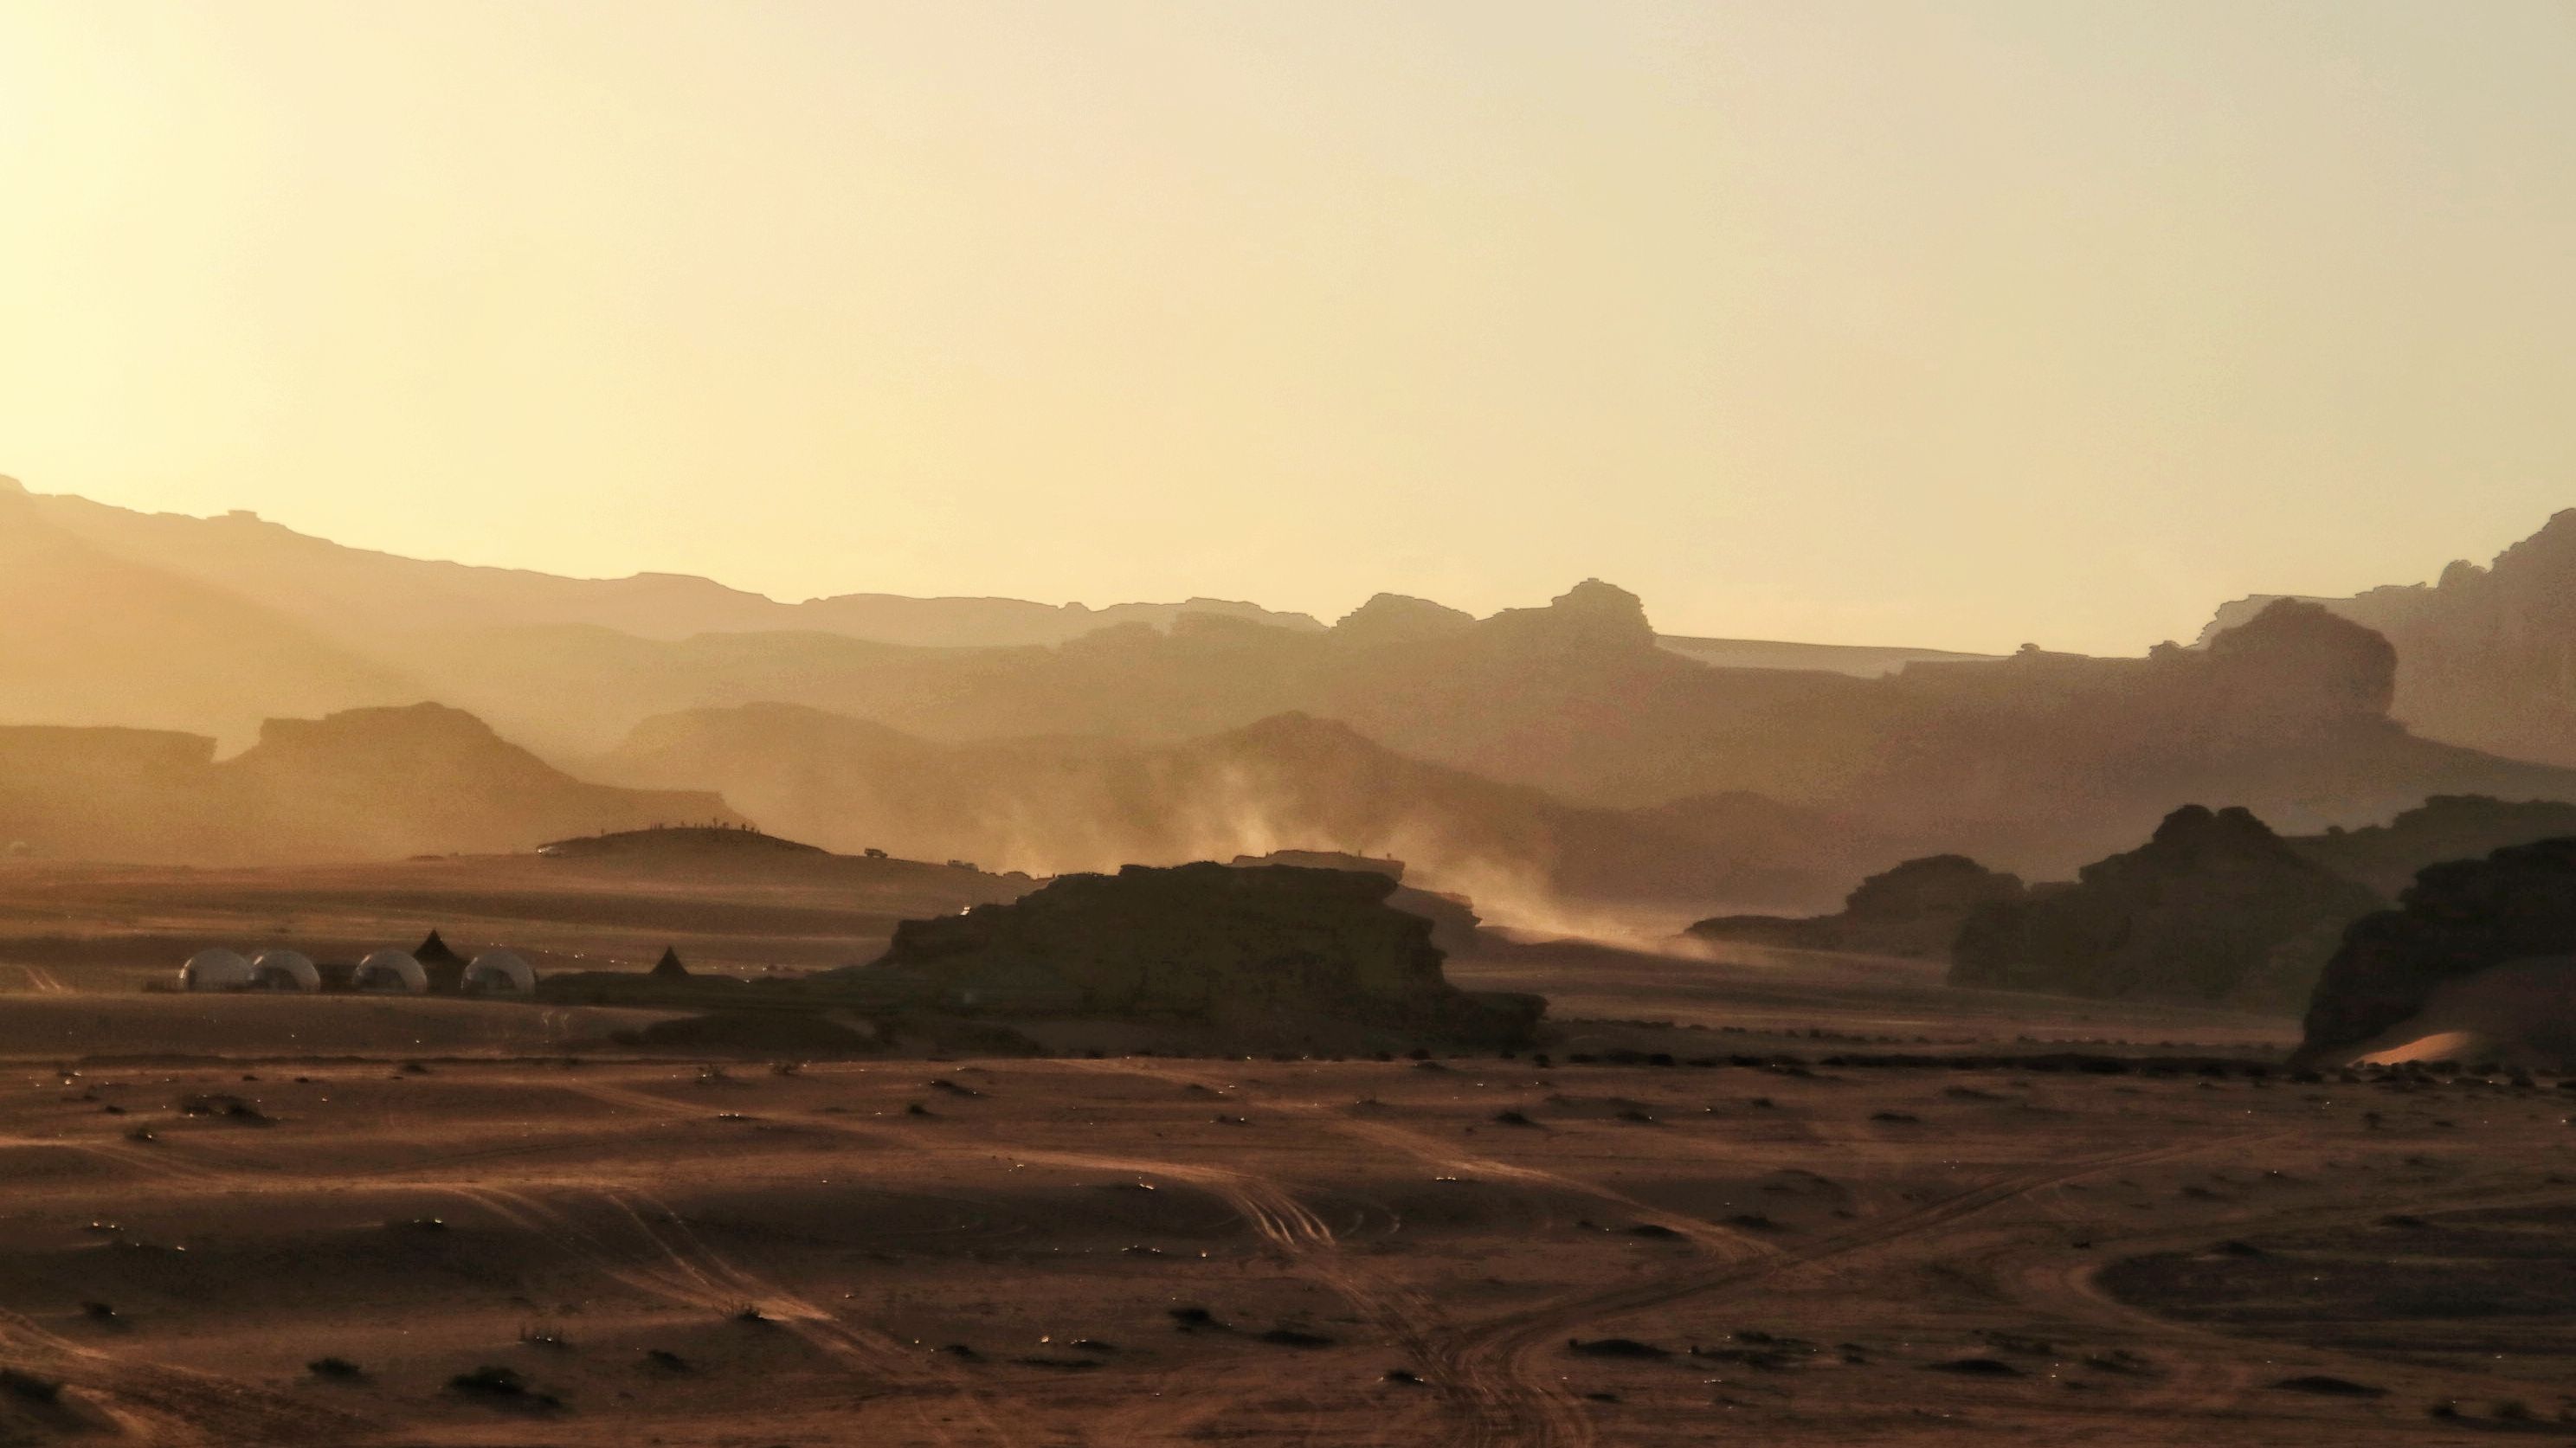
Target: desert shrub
{"type": "Point", "coordinates": [339, 1369]}
{"type": "Point", "coordinates": [1617, 1347]}
{"type": "Point", "coordinates": [28, 1387]}
{"type": "Point", "coordinates": [491, 1381]}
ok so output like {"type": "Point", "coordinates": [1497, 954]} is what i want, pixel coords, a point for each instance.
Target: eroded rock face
{"type": "Point", "coordinates": [2214, 908]}
{"type": "Point", "coordinates": [1232, 946]}
{"type": "Point", "coordinates": [2458, 919]}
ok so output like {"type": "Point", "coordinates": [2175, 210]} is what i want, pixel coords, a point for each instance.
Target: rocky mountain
{"type": "Point", "coordinates": [2445, 827]}
{"type": "Point", "coordinates": [2515, 909]}
{"type": "Point", "coordinates": [2214, 908]}
{"type": "Point", "coordinates": [2486, 655]}
{"type": "Point", "coordinates": [360, 785]}
{"type": "Point", "coordinates": [2033, 763]}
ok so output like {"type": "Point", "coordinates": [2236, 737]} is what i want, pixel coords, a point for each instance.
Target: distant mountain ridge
{"type": "Point", "coordinates": [2486, 656]}
{"type": "Point", "coordinates": [2034, 763]}
{"type": "Point", "coordinates": [338, 588]}
{"type": "Point", "coordinates": [366, 784]}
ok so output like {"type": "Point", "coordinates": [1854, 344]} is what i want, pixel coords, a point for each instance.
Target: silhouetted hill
{"type": "Point", "coordinates": [2034, 763]}
{"type": "Point", "coordinates": [2486, 656]}
{"type": "Point", "coordinates": [1915, 909]}
{"type": "Point", "coordinates": [365, 595]}
{"type": "Point", "coordinates": [2513, 909]}
{"type": "Point", "coordinates": [90, 638]}
{"type": "Point", "coordinates": [2214, 908]}
{"type": "Point", "coordinates": [2447, 827]}
{"type": "Point", "coordinates": [1291, 782]}
{"type": "Point", "coordinates": [360, 785]}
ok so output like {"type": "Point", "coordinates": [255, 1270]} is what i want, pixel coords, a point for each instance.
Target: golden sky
{"type": "Point", "coordinates": [1956, 324]}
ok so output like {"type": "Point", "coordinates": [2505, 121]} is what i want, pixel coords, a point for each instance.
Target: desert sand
{"type": "Point", "coordinates": [2121, 1227]}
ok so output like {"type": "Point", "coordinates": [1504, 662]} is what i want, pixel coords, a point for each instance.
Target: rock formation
{"type": "Point", "coordinates": [2486, 655]}
{"type": "Point", "coordinates": [1915, 909]}
{"type": "Point", "coordinates": [2461, 918]}
{"type": "Point", "coordinates": [2445, 827]}
{"type": "Point", "coordinates": [2214, 908]}
{"type": "Point", "coordinates": [1275, 950]}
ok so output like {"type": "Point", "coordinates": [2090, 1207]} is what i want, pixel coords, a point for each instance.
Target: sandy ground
{"type": "Point", "coordinates": [200, 1199]}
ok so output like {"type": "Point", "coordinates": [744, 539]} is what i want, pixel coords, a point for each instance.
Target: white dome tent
{"type": "Point", "coordinates": [499, 972]}
{"type": "Point", "coordinates": [216, 969]}
{"type": "Point", "coordinates": [287, 970]}
{"type": "Point", "coordinates": [390, 972]}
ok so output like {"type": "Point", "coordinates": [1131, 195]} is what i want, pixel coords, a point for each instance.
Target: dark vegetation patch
{"type": "Point", "coordinates": [27, 1387]}
{"type": "Point", "coordinates": [1976, 1367]}
{"type": "Point", "coordinates": [224, 1107]}
{"type": "Point", "coordinates": [501, 1386]}
{"type": "Point", "coordinates": [1614, 1347]}
{"type": "Point", "coordinates": [2329, 1387]}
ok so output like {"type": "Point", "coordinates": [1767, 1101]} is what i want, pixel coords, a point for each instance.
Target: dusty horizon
{"type": "Point", "coordinates": [2192, 626]}
{"type": "Point", "coordinates": [1956, 327]}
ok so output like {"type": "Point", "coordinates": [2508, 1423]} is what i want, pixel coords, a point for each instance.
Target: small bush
{"type": "Point", "coordinates": [1615, 1347]}
{"type": "Point", "coordinates": [491, 1381]}
{"type": "Point", "coordinates": [30, 1388]}
{"type": "Point", "coordinates": [338, 1369]}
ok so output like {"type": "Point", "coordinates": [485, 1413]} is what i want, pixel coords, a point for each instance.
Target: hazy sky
{"type": "Point", "coordinates": [1954, 324]}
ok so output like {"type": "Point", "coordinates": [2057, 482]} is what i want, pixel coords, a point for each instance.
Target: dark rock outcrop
{"type": "Point", "coordinates": [2215, 908]}
{"type": "Point", "coordinates": [2446, 827]}
{"type": "Point", "coordinates": [1275, 949]}
{"type": "Point", "coordinates": [1454, 923]}
{"type": "Point", "coordinates": [1915, 909]}
{"type": "Point", "coordinates": [2457, 920]}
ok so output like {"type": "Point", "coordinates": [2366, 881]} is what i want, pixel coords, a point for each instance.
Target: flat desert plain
{"type": "Point", "coordinates": [271, 1220]}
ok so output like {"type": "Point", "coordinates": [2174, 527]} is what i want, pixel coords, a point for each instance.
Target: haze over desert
{"type": "Point", "coordinates": [775, 724]}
